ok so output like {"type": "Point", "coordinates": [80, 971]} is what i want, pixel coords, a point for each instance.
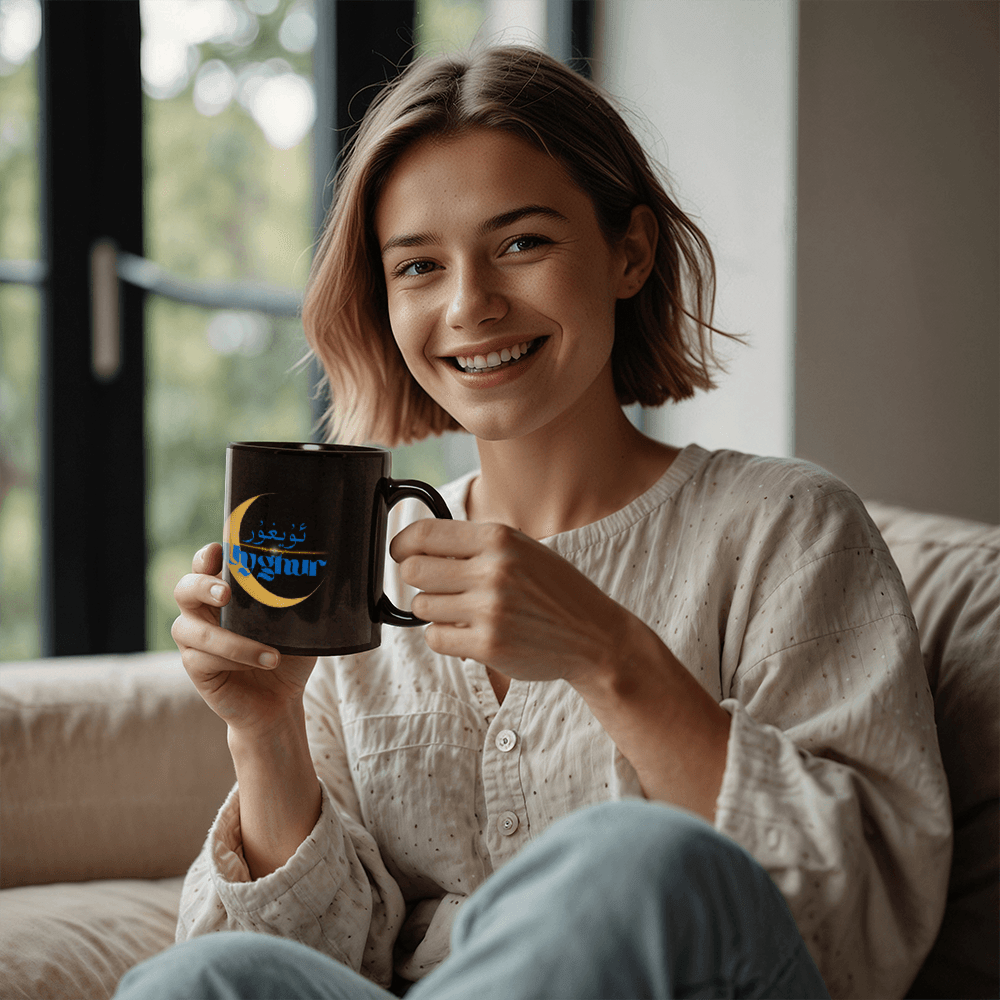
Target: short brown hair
{"type": "Point", "coordinates": [662, 344]}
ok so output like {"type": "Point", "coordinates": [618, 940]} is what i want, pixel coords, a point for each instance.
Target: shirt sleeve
{"type": "Point", "coordinates": [833, 778]}
{"type": "Point", "coordinates": [334, 894]}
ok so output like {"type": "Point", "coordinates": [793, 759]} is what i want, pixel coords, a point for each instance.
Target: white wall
{"type": "Point", "coordinates": [843, 159]}
{"type": "Point", "coordinates": [715, 83]}
{"type": "Point", "coordinates": [515, 22]}
{"type": "Point", "coordinates": [898, 326]}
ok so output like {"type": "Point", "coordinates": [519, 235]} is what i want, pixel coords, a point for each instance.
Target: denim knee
{"type": "Point", "coordinates": [239, 965]}
{"type": "Point", "coordinates": [635, 856]}
{"type": "Point", "coordinates": [624, 848]}
{"type": "Point", "coordinates": [644, 885]}
{"type": "Point", "coordinates": [727, 929]}
{"type": "Point", "coordinates": [618, 860]}
{"type": "Point", "coordinates": [635, 846]}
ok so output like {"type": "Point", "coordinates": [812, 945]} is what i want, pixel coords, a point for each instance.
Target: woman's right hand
{"type": "Point", "coordinates": [252, 687]}
{"type": "Point", "coordinates": [258, 693]}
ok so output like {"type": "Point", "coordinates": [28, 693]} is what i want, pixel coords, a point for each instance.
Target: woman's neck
{"type": "Point", "coordinates": [567, 475]}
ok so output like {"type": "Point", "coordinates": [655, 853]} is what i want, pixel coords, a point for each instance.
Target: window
{"type": "Point", "coordinates": [228, 111]}
{"type": "Point", "coordinates": [150, 316]}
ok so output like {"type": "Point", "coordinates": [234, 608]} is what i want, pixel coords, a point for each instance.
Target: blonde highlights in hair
{"type": "Point", "coordinates": [662, 346]}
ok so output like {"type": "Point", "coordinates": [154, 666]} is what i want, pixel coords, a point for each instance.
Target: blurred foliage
{"type": "Point", "coordinates": [445, 25]}
{"type": "Point", "coordinates": [198, 400]}
{"type": "Point", "coordinates": [19, 348]}
{"type": "Point", "coordinates": [221, 204]}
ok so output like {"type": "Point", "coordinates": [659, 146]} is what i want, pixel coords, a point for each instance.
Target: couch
{"type": "Point", "coordinates": [111, 770]}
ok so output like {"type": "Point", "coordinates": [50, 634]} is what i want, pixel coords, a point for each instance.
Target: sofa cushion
{"type": "Point", "coordinates": [110, 767]}
{"type": "Point", "coordinates": [74, 941]}
{"type": "Point", "coordinates": [951, 568]}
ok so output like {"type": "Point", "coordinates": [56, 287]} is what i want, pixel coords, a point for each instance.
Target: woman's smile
{"type": "Point", "coordinates": [477, 363]}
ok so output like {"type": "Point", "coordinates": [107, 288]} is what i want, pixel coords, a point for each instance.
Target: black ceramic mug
{"type": "Point", "coordinates": [305, 537]}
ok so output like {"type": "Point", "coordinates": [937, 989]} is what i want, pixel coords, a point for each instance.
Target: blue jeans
{"type": "Point", "coordinates": [619, 901]}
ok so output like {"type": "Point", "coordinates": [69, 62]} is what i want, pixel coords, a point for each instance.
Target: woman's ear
{"type": "Point", "coordinates": [638, 248]}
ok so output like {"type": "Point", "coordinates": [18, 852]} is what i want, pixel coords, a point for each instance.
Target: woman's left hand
{"type": "Point", "coordinates": [495, 595]}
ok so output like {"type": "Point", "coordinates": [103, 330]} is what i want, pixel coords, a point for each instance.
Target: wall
{"type": "Point", "coordinates": [875, 346]}
{"type": "Point", "coordinates": [897, 367]}
{"type": "Point", "coordinates": [709, 88]}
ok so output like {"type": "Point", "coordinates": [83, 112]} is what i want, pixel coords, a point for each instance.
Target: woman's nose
{"type": "Point", "coordinates": [475, 300]}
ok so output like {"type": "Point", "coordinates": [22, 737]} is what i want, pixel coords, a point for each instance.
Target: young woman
{"type": "Point", "coordinates": [668, 732]}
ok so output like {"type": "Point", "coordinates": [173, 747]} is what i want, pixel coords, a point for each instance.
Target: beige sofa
{"type": "Point", "coordinates": [111, 769]}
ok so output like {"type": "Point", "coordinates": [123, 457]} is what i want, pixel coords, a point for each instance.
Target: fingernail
{"type": "Point", "coordinates": [218, 592]}
{"type": "Point", "coordinates": [268, 660]}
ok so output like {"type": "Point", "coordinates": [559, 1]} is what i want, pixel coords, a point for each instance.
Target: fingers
{"type": "Point", "coordinates": [432, 573]}
{"type": "Point", "coordinates": [456, 539]}
{"type": "Point", "coordinates": [195, 590]}
{"type": "Point", "coordinates": [203, 586]}
{"type": "Point", "coordinates": [208, 559]}
{"type": "Point", "coordinates": [207, 647]}
{"type": "Point", "coordinates": [460, 568]}
{"type": "Point", "coordinates": [441, 608]}
{"type": "Point", "coordinates": [453, 640]}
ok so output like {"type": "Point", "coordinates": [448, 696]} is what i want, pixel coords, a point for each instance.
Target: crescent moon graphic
{"type": "Point", "coordinates": [250, 583]}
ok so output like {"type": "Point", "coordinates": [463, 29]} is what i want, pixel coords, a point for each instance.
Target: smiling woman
{"type": "Point", "coordinates": [609, 618]}
{"type": "Point", "coordinates": [347, 296]}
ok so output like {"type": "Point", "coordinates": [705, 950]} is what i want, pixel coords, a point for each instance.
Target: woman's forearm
{"type": "Point", "coordinates": [279, 792]}
{"type": "Point", "coordinates": [667, 726]}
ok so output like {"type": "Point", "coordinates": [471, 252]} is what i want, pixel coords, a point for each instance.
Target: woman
{"type": "Point", "coordinates": [612, 620]}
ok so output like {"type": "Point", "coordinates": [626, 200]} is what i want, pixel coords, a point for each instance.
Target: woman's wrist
{"type": "Point", "coordinates": [276, 733]}
{"type": "Point", "coordinates": [614, 673]}
{"type": "Point", "coordinates": [668, 727]}
{"type": "Point", "coordinates": [279, 792]}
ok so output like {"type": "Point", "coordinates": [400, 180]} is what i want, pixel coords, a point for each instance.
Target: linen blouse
{"type": "Point", "coordinates": [769, 582]}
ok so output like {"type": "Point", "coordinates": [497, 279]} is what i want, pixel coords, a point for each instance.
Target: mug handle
{"type": "Point", "coordinates": [402, 489]}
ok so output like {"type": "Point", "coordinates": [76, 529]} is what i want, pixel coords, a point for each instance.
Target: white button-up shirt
{"type": "Point", "coordinates": [767, 580]}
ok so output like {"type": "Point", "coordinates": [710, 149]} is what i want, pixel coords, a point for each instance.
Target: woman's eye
{"type": "Point", "coordinates": [524, 243]}
{"type": "Point", "coordinates": [414, 268]}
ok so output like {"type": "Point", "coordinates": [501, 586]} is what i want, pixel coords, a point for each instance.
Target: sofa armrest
{"type": "Point", "coordinates": [110, 767]}
{"type": "Point", "coordinates": [951, 568]}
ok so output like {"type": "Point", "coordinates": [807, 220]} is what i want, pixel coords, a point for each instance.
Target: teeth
{"type": "Point", "coordinates": [494, 358]}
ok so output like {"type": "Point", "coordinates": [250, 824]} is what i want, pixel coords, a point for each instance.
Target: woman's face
{"type": "Point", "coordinates": [501, 286]}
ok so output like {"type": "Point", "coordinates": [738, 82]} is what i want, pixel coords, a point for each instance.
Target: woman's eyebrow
{"type": "Point", "coordinates": [516, 214]}
{"type": "Point", "coordinates": [408, 240]}
{"type": "Point", "coordinates": [491, 225]}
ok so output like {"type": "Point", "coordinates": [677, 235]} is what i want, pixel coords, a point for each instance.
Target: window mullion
{"type": "Point", "coordinates": [94, 468]}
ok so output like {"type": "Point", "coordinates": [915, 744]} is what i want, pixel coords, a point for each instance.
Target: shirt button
{"type": "Point", "coordinates": [507, 823]}
{"type": "Point", "coordinates": [506, 740]}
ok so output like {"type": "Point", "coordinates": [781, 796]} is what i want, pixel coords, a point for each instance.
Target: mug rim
{"type": "Point", "coordinates": [309, 447]}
